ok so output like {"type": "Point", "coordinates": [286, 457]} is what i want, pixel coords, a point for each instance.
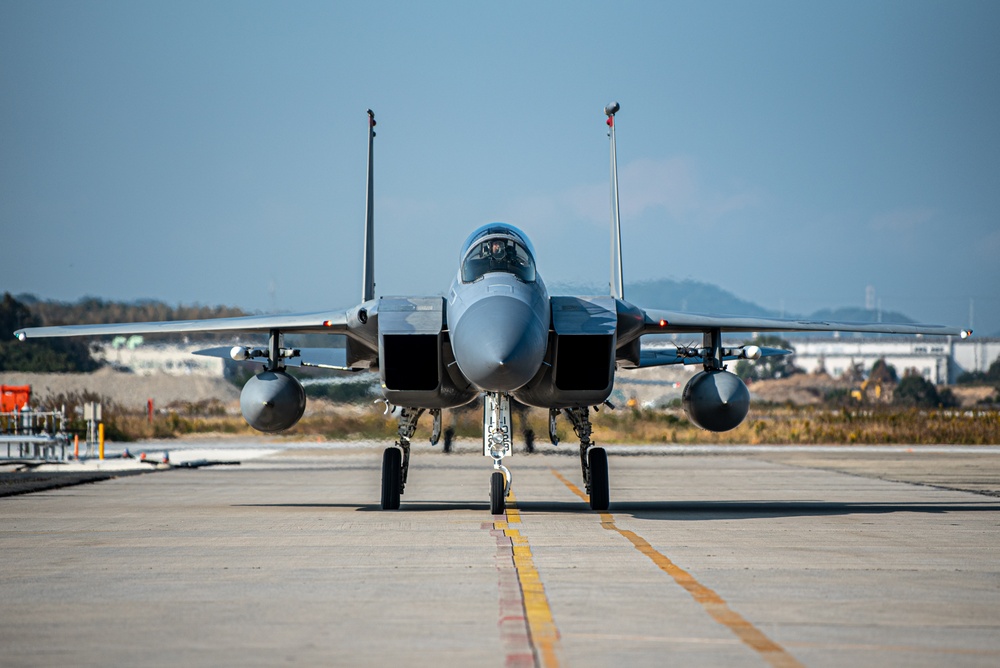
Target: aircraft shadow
{"type": "Point", "coordinates": [697, 511]}
{"type": "Point", "coordinates": [701, 511]}
{"type": "Point", "coordinates": [418, 506]}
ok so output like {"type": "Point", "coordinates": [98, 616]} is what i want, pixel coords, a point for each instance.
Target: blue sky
{"type": "Point", "coordinates": [792, 153]}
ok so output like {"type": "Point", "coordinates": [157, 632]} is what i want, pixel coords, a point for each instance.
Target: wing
{"type": "Point", "coordinates": [656, 321]}
{"type": "Point", "coordinates": [321, 322]}
{"type": "Point", "coordinates": [669, 322]}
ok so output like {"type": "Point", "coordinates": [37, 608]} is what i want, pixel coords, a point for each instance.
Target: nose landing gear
{"type": "Point", "coordinates": [497, 443]}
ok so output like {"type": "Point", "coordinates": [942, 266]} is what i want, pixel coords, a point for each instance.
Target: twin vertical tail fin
{"type": "Point", "coordinates": [617, 280]}
{"type": "Point", "coordinates": [368, 287]}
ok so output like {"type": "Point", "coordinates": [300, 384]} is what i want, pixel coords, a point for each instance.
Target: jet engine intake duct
{"type": "Point", "coordinates": [272, 401]}
{"type": "Point", "coordinates": [579, 367]}
{"type": "Point", "coordinates": [411, 361]}
{"type": "Point", "coordinates": [415, 357]}
{"type": "Point", "coordinates": [584, 362]}
{"type": "Point", "coordinates": [716, 400]}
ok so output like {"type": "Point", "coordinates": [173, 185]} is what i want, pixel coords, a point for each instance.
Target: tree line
{"type": "Point", "coordinates": [73, 354]}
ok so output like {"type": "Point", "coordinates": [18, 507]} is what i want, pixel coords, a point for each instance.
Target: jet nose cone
{"type": "Point", "coordinates": [499, 343]}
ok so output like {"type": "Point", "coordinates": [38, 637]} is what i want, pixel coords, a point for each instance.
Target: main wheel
{"type": "Point", "coordinates": [529, 440]}
{"type": "Point", "coordinates": [498, 489]}
{"type": "Point", "coordinates": [600, 493]}
{"type": "Point", "coordinates": [392, 470]}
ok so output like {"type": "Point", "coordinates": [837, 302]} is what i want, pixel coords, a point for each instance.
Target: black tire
{"type": "Point", "coordinates": [529, 441]}
{"type": "Point", "coordinates": [498, 489]}
{"type": "Point", "coordinates": [449, 436]}
{"type": "Point", "coordinates": [392, 471]}
{"type": "Point", "coordinates": [600, 492]}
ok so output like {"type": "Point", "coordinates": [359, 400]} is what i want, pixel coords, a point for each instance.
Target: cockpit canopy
{"type": "Point", "coordinates": [498, 247]}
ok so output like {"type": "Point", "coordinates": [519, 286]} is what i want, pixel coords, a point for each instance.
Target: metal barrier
{"type": "Point", "coordinates": [37, 435]}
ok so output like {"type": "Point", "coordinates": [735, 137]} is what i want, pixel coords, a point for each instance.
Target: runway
{"type": "Point", "coordinates": [776, 556]}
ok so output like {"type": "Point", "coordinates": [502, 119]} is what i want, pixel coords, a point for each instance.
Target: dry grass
{"type": "Point", "coordinates": [811, 425]}
{"type": "Point", "coordinates": [765, 425]}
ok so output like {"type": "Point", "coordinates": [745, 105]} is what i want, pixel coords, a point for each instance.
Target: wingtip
{"type": "Point", "coordinates": [20, 335]}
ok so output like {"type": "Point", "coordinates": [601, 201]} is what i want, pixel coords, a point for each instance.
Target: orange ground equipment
{"type": "Point", "coordinates": [14, 397]}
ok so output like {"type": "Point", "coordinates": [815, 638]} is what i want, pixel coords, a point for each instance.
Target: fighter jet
{"type": "Point", "coordinates": [498, 335]}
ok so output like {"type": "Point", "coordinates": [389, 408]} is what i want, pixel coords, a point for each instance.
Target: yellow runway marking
{"type": "Point", "coordinates": [541, 625]}
{"type": "Point", "coordinates": [712, 603]}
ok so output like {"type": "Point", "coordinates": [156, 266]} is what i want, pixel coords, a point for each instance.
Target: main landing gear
{"type": "Point", "coordinates": [396, 458]}
{"type": "Point", "coordinates": [497, 444]}
{"type": "Point", "coordinates": [593, 459]}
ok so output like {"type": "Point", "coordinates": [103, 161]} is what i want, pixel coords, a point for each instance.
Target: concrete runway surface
{"type": "Point", "coordinates": [707, 557]}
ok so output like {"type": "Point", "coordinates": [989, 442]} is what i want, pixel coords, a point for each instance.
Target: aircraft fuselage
{"type": "Point", "coordinates": [498, 318]}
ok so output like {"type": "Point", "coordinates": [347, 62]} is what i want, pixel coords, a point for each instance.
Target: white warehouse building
{"type": "Point", "coordinates": [146, 359]}
{"type": "Point", "coordinates": [940, 361]}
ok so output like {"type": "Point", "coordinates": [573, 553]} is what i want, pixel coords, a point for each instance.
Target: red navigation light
{"type": "Point", "coordinates": [663, 323]}
{"type": "Point", "coordinates": [328, 323]}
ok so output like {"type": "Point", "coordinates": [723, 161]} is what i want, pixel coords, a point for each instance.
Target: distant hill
{"type": "Point", "coordinates": [857, 314]}
{"type": "Point", "coordinates": [692, 296]}
{"type": "Point", "coordinates": [697, 297]}
{"type": "Point", "coordinates": [667, 293]}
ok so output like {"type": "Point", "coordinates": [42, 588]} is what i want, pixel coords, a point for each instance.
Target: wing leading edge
{"type": "Point", "coordinates": [669, 322]}
{"type": "Point", "coordinates": [320, 322]}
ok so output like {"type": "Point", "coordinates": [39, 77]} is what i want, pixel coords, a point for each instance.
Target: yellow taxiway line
{"type": "Point", "coordinates": [712, 603]}
{"type": "Point", "coordinates": [541, 625]}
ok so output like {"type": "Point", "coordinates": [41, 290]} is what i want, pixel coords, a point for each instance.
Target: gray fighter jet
{"type": "Point", "coordinates": [498, 335]}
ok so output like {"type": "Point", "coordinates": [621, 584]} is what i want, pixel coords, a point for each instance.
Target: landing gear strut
{"type": "Point", "coordinates": [497, 444]}
{"type": "Point", "coordinates": [593, 460]}
{"type": "Point", "coordinates": [436, 429]}
{"type": "Point", "coordinates": [396, 459]}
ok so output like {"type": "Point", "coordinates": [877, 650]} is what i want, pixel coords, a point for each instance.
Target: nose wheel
{"type": "Point", "coordinates": [498, 492]}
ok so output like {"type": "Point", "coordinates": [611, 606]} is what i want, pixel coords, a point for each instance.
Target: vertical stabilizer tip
{"type": "Point", "coordinates": [612, 109]}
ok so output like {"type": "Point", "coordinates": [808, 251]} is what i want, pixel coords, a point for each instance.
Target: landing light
{"type": "Point", "coordinates": [966, 333]}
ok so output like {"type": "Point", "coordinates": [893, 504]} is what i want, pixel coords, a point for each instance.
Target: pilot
{"type": "Point", "coordinates": [498, 250]}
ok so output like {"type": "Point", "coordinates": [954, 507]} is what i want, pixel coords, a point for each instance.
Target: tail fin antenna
{"type": "Point", "coordinates": [617, 281]}
{"type": "Point", "coordinates": [368, 288]}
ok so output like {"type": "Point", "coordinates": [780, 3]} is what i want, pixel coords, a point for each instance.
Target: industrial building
{"type": "Point", "coordinates": [146, 359]}
{"type": "Point", "coordinates": [940, 361]}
